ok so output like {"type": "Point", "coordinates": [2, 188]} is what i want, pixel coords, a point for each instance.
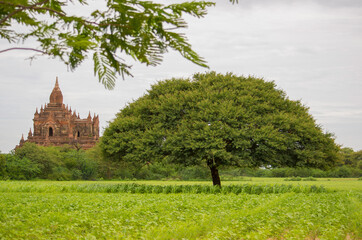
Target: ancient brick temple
{"type": "Point", "coordinates": [56, 125]}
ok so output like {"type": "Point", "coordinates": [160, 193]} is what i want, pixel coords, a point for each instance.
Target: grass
{"type": "Point", "coordinates": [43, 210]}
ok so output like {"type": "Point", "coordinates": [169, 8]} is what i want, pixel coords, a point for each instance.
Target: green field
{"type": "Point", "coordinates": [108, 210]}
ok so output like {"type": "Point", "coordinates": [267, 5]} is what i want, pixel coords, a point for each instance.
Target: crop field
{"type": "Point", "coordinates": [250, 209]}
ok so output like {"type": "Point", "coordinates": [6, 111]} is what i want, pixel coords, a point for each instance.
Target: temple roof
{"type": "Point", "coordinates": [56, 96]}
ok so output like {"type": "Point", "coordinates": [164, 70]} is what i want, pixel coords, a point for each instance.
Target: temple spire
{"type": "Point", "coordinates": [56, 97]}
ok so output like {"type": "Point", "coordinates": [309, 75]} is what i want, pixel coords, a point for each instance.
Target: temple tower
{"type": "Point", "coordinates": [56, 125]}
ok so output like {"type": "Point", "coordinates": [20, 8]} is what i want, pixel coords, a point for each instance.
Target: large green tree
{"type": "Point", "coordinates": [143, 30]}
{"type": "Point", "coordinates": [218, 120]}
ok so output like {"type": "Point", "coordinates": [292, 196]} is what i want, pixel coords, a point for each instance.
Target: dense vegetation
{"type": "Point", "coordinates": [65, 163]}
{"type": "Point", "coordinates": [58, 163]}
{"type": "Point", "coordinates": [85, 210]}
{"type": "Point", "coordinates": [218, 120]}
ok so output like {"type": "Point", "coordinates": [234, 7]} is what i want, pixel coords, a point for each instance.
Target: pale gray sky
{"type": "Point", "coordinates": [312, 49]}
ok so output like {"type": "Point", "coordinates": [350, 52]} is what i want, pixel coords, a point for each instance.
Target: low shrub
{"type": "Point", "coordinates": [309, 179]}
{"type": "Point", "coordinates": [293, 179]}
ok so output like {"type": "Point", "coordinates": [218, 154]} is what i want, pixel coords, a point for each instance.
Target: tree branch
{"type": "Point", "coordinates": [18, 5]}
{"type": "Point", "coordinates": [32, 7]}
{"type": "Point", "coordinates": [19, 48]}
{"type": "Point", "coordinates": [10, 15]}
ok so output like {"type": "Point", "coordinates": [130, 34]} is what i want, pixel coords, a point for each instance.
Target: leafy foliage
{"type": "Point", "coordinates": [351, 158]}
{"type": "Point", "coordinates": [45, 158]}
{"type": "Point", "coordinates": [218, 120]}
{"type": "Point", "coordinates": [143, 30]}
{"type": "Point", "coordinates": [57, 163]}
{"type": "Point", "coordinates": [21, 169]}
{"type": "Point", "coordinates": [66, 163]}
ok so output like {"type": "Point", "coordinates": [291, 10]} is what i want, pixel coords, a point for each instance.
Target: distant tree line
{"type": "Point", "coordinates": [59, 163]}
{"type": "Point", "coordinates": [66, 163]}
{"type": "Point", "coordinates": [350, 165]}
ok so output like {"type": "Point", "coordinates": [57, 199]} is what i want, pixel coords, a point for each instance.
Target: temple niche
{"type": "Point", "coordinates": [56, 125]}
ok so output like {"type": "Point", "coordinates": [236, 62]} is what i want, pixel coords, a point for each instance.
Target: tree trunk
{"type": "Point", "coordinates": [215, 176]}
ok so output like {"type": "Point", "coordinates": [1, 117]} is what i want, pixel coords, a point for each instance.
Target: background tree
{"type": "Point", "coordinates": [143, 30]}
{"type": "Point", "coordinates": [2, 166]}
{"type": "Point", "coordinates": [358, 159]}
{"type": "Point", "coordinates": [351, 158]}
{"type": "Point", "coordinates": [21, 168]}
{"type": "Point", "coordinates": [218, 120]}
{"type": "Point", "coordinates": [347, 156]}
{"type": "Point", "coordinates": [57, 163]}
{"type": "Point", "coordinates": [45, 158]}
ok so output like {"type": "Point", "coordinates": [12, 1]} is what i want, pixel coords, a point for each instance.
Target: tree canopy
{"type": "Point", "coordinates": [144, 30]}
{"type": "Point", "coordinates": [218, 120]}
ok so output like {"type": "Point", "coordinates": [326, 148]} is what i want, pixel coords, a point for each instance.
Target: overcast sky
{"type": "Point", "coordinates": [312, 49]}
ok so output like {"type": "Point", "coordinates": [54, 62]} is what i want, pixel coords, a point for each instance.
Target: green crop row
{"type": "Point", "coordinates": [158, 189]}
{"type": "Point", "coordinates": [34, 215]}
